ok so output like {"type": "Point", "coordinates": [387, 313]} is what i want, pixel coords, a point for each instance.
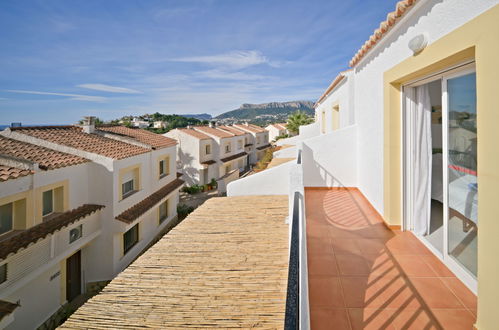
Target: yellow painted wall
{"type": "Point", "coordinates": [335, 117]}
{"type": "Point", "coordinates": [137, 174]}
{"type": "Point", "coordinates": [61, 191]}
{"type": "Point", "coordinates": [478, 39]}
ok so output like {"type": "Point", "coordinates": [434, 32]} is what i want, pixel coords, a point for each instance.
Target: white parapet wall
{"type": "Point", "coordinates": [289, 152]}
{"type": "Point", "coordinates": [330, 160]}
{"type": "Point", "coordinates": [306, 132]}
{"type": "Point", "coordinates": [272, 181]}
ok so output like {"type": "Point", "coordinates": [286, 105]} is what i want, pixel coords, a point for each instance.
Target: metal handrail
{"type": "Point", "coordinates": [292, 317]}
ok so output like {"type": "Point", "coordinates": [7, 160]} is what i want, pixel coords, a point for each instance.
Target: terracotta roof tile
{"type": "Point", "coordinates": [251, 128]}
{"type": "Point", "coordinates": [264, 147]}
{"type": "Point", "coordinates": [194, 133]}
{"type": "Point", "coordinates": [133, 213]}
{"type": "Point", "coordinates": [6, 308]}
{"type": "Point", "coordinates": [74, 137]}
{"type": "Point", "coordinates": [46, 158]}
{"type": "Point", "coordinates": [24, 238]}
{"type": "Point", "coordinates": [7, 173]}
{"type": "Point", "coordinates": [228, 159]}
{"type": "Point", "coordinates": [392, 18]}
{"type": "Point", "coordinates": [157, 141]}
{"type": "Point", "coordinates": [214, 131]}
{"type": "Point", "coordinates": [233, 130]}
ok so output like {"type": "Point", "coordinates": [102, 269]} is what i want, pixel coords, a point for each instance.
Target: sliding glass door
{"type": "Point", "coordinates": [461, 168]}
{"type": "Point", "coordinates": [440, 167]}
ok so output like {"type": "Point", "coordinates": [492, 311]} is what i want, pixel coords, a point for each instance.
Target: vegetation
{"type": "Point", "coordinates": [282, 136]}
{"type": "Point", "coordinates": [183, 211]}
{"type": "Point", "coordinates": [264, 162]}
{"type": "Point", "coordinates": [298, 119]}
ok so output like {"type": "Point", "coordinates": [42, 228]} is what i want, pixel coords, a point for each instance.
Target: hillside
{"type": "Point", "coordinates": [267, 112]}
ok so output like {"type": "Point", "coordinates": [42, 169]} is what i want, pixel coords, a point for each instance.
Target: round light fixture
{"type": "Point", "coordinates": [418, 43]}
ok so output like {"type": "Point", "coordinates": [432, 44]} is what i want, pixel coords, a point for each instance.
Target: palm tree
{"type": "Point", "coordinates": [298, 119]}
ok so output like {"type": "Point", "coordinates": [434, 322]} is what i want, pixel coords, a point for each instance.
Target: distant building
{"type": "Point", "coordinates": [77, 205]}
{"type": "Point", "coordinates": [276, 130]}
{"type": "Point", "coordinates": [159, 124]}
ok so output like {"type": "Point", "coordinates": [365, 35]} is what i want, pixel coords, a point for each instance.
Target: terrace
{"type": "Point", "coordinates": [363, 275]}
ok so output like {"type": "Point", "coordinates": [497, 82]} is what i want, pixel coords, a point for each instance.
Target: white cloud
{"type": "Point", "coordinates": [110, 89]}
{"type": "Point", "coordinates": [76, 97]}
{"type": "Point", "coordinates": [235, 59]}
{"type": "Point", "coordinates": [224, 75]}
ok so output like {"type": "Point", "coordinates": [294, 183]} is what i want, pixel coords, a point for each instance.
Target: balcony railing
{"type": "Point", "coordinates": [297, 308]}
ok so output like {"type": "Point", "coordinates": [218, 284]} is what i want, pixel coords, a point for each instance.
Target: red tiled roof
{"type": "Point", "coordinates": [46, 158]}
{"type": "Point", "coordinates": [233, 130]}
{"type": "Point", "coordinates": [214, 131]}
{"type": "Point", "coordinates": [333, 84]}
{"type": "Point", "coordinates": [6, 308]}
{"type": "Point", "coordinates": [228, 159]}
{"type": "Point", "coordinates": [392, 18]}
{"type": "Point", "coordinates": [133, 213]}
{"type": "Point", "coordinates": [74, 137]}
{"type": "Point", "coordinates": [25, 237]}
{"type": "Point", "coordinates": [264, 147]}
{"type": "Point", "coordinates": [194, 133]}
{"type": "Point", "coordinates": [157, 141]}
{"type": "Point", "coordinates": [7, 173]}
{"type": "Point", "coordinates": [251, 128]}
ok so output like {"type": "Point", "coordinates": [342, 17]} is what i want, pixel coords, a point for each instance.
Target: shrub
{"type": "Point", "coordinates": [194, 189]}
{"type": "Point", "coordinates": [183, 211]}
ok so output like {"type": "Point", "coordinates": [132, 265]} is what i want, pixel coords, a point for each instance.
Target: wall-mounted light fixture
{"type": "Point", "coordinates": [418, 43]}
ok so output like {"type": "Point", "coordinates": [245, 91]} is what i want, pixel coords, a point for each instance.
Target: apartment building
{"type": "Point", "coordinates": [77, 205]}
{"type": "Point", "coordinates": [207, 153]}
{"type": "Point", "coordinates": [258, 140]}
{"type": "Point", "coordinates": [276, 130]}
{"type": "Point", "coordinates": [398, 183]}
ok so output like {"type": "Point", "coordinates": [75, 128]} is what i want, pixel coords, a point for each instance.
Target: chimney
{"type": "Point", "coordinates": [211, 124]}
{"type": "Point", "coordinates": [246, 123]}
{"type": "Point", "coordinates": [88, 124]}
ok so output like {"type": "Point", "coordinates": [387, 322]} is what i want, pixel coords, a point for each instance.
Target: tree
{"type": "Point", "coordinates": [298, 119]}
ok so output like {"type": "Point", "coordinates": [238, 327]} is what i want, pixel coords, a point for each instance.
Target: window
{"type": "Point", "coordinates": [75, 233]}
{"type": "Point", "coordinates": [258, 140]}
{"type": "Point", "coordinates": [208, 149]}
{"type": "Point", "coordinates": [227, 169]}
{"type": "Point", "coordinates": [163, 211]}
{"type": "Point", "coordinates": [240, 144]}
{"type": "Point", "coordinates": [227, 148]}
{"type": "Point", "coordinates": [130, 238]}
{"type": "Point", "coordinates": [3, 273]}
{"type": "Point", "coordinates": [6, 218]}
{"type": "Point", "coordinates": [164, 167]}
{"type": "Point", "coordinates": [241, 163]}
{"type": "Point", "coordinates": [48, 202]}
{"type": "Point", "coordinates": [127, 188]}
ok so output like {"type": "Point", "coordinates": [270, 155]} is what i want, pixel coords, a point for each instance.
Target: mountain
{"type": "Point", "coordinates": [200, 116]}
{"type": "Point", "coordinates": [267, 112]}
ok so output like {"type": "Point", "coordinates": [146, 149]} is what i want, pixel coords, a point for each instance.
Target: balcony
{"type": "Point", "coordinates": [363, 275]}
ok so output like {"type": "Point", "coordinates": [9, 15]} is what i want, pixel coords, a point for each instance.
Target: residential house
{"type": "Point", "coordinates": [399, 175]}
{"type": "Point", "coordinates": [159, 124]}
{"type": "Point", "coordinates": [78, 204]}
{"type": "Point", "coordinates": [276, 130]}
{"type": "Point", "coordinates": [258, 140]}
{"type": "Point", "coordinates": [207, 153]}
{"type": "Point", "coordinates": [139, 123]}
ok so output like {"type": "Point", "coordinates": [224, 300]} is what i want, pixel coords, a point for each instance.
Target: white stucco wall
{"type": "Point", "coordinates": [436, 18]}
{"type": "Point", "coordinates": [305, 132]}
{"type": "Point", "coordinates": [335, 168]}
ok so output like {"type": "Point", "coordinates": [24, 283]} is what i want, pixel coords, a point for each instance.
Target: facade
{"type": "Point", "coordinates": [207, 153]}
{"type": "Point", "coordinates": [78, 204]}
{"type": "Point", "coordinates": [410, 131]}
{"type": "Point", "coordinates": [276, 130]}
{"type": "Point", "coordinates": [258, 140]}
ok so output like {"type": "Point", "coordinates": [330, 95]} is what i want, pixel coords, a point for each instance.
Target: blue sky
{"type": "Point", "coordinates": [61, 60]}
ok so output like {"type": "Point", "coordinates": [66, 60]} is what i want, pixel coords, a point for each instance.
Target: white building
{"type": "Point", "coordinates": [207, 153]}
{"type": "Point", "coordinates": [410, 126]}
{"type": "Point", "coordinates": [77, 205]}
{"type": "Point", "coordinates": [258, 140]}
{"type": "Point", "coordinates": [159, 124]}
{"type": "Point", "coordinates": [136, 122]}
{"type": "Point", "coordinates": [276, 130]}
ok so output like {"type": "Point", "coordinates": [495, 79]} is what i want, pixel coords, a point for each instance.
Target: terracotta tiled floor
{"type": "Point", "coordinates": [363, 275]}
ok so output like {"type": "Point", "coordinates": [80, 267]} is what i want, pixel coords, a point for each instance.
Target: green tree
{"type": "Point", "coordinates": [298, 119]}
